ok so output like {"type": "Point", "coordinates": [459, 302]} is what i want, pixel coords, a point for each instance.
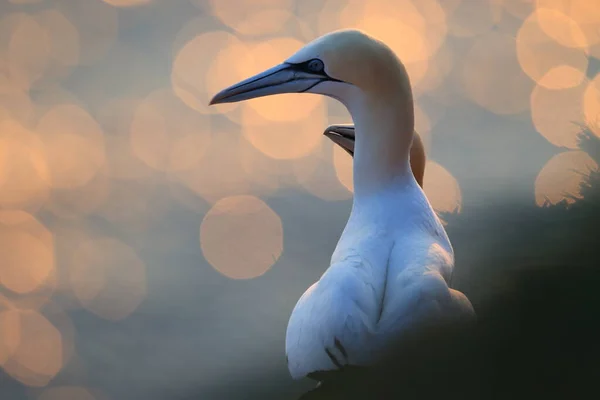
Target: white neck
{"type": "Point", "coordinates": [384, 133]}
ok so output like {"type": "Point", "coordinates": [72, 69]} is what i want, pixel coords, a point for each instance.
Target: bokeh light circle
{"type": "Point", "coordinates": [108, 278]}
{"type": "Point", "coordinates": [73, 143]}
{"type": "Point", "coordinates": [492, 77]}
{"type": "Point", "coordinates": [206, 64]}
{"type": "Point", "coordinates": [39, 355]}
{"type": "Point", "coordinates": [241, 237]}
{"type": "Point", "coordinates": [561, 178]}
{"type": "Point", "coordinates": [591, 105]}
{"type": "Point", "coordinates": [26, 252]}
{"type": "Point", "coordinates": [24, 172]}
{"type": "Point", "coordinates": [441, 188]}
{"type": "Point", "coordinates": [560, 128]}
{"type": "Point", "coordinates": [540, 53]}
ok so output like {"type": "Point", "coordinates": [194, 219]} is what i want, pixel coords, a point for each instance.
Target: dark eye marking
{"type": "Point", "coordinates": [315, 65]}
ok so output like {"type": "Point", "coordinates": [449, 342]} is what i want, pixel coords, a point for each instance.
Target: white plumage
{"type": "Point", "coordinates": [390, 270]}
{"type": "Point", "coordinates": [392, 265]}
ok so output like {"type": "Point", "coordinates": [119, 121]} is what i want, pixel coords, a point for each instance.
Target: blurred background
{"type": "Point", "coordinates": [153, 247]}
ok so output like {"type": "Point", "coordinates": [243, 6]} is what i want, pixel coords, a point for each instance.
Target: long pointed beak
{"type": "Point", "coordinates": [343, 136]}
{"type": "Point", "coordinates": [283, 78]}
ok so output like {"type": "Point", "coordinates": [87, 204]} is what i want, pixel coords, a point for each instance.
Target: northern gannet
{"type": "Point", "coordinates": [390, 270]}
{"type": "Point", "coordinates": [343, 136]}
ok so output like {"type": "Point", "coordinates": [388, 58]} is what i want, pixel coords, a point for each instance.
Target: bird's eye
{"type": "Point", "coordinates": [316, 65]}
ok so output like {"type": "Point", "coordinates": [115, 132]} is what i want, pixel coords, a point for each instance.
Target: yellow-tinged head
{"type": "Point", "coordinates": [365, 75]}
{"type": "Point", "coordinates": [336, 65]}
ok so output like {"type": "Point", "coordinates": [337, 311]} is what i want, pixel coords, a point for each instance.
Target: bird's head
{"type": "Point", "coordinates": [343, 136]}
{"type": "Point", "coordinates": [345, 65]}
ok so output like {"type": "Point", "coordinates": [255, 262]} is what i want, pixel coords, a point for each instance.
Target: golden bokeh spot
{"type": "Point", "coordinates": [23, 169]}
{"type": "Point", "coordinates": [559, 128]}
{"type": "Point", "coordinates": [108, 278]}
{"type": "Point", "coordinates": [66, 392]}
{"type": "Point", "coordinates": [492, 77]}
{"type": "Point", "coordinates": [284, 140]}
{"type": "Point", "coordinates": [585, 13]}
{"type": "Point", "coordinates": [441, 188]}
{"type": "Point", "coordinates": [27, 262]}
{"type": "Point", "coordinates": [127, 3]}
{"type": "Point", "coordinates": [200, 25]}
{"type": "Point", "coordinates": [560, 179]}
{"type": "Point", "coordinates": [417, 71]}
{"type": "Point", "coordinates": [283, 107]}
{"type": "Point", "coordinates": [539, 53]}
{"type": "Point", "coordinates": [561, 28]}
{"type": "Point", "coordinates": [582, 11]}
{"type": "Point", "coordinates": [435, 17]}
{"type": "Point", "coordinates": [234, 60]}
{"type": "Point", "coordinates": [241, 237]}
{"type": "Point", "coordinates": [252, 17]}
{"type": "Point", "coordinates": [342, 162]}
{"type": "Point", "coordinates": [413, 30]}
{"type": "Point", "coordinates": [591, 105]}
{"type": "Point", "coordinates": [167, 135]}
{"type": "Point", "coordinates": [206, 64]}
{"type": "Point", "coordinates": [74, 145]}
{"type": "Point", "coordinates": [407, 41]}
{"type": "Point", "coordinates": [562, 77]}
{"type": "Point", "coordinates": [27, 252]}
{"type": "Point", "coordinates": [98, 27]}
{"type": "Point", "coordinates": [39, 355]}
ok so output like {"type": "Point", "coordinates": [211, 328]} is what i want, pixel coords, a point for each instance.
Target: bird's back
{"type": "Point", "coordinates": [388, 275]}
